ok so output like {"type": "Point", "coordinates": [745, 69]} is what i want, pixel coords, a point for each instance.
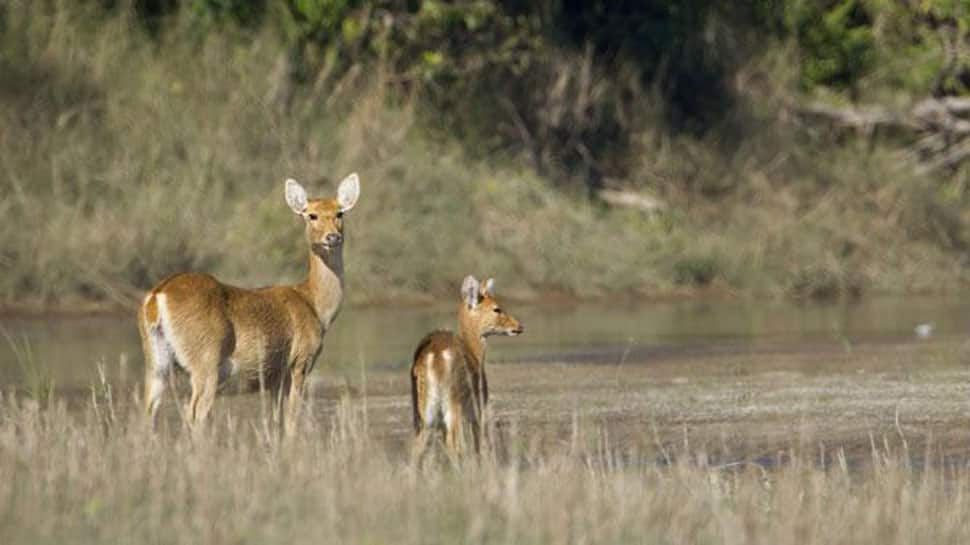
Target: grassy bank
{"type": "Point", "coordinates": [95, 475]}
{"type": "Point", "coordinates": [126, 157]}
{"type": "Point", "coordinates": [828, 441]}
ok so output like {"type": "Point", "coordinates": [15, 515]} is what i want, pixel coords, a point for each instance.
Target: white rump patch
{"type": "Point", "coordinates": [433, 403]}
{"type": "Point", "coordinates": [449, 357]}
{"type": "Point", "coordinates": [163, 338]}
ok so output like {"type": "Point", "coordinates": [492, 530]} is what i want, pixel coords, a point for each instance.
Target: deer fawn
{"type": "Point", "coordinates": [272, 335]}
{"type": "Point", "coordinates": [448, 384]}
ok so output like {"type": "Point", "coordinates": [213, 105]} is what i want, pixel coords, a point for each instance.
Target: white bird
{"type": "Point", "coordinates": [923, 331]}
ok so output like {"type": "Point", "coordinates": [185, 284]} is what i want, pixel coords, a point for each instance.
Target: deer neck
{"type": "Point", "coordinates": [472, 341]}
{"type": "Point", "coordinates": [324, 284]}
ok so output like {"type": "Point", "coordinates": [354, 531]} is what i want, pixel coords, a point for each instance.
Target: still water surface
{"type": "Point", "coordinates": [382, 339]}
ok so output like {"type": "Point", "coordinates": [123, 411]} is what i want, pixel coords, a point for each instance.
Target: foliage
{"type": "Point", "coordinates": [562, 80]}
{"type": "Point", "coordinates": [836, 41]}
{"type": "Point", "coordinates": [245, 13]}
{"type": "Point", "coordinates": [888, 45]}
{"type": "Point", "coordinates": [483, 126]}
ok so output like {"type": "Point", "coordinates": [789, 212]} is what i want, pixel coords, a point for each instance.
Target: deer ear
{"type": "Point", "coordinates": [488, 287]}
{"type": "Point", "coordinates": [348, 191]}
{"type": "Point", "coordinates": [296, 196]}
{"type": "Point", "coordinates": [469, 291]}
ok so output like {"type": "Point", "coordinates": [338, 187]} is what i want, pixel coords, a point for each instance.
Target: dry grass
{"type": "Point", "coordinates": [861, 446]}
{"type": "Point", "coordinates": [128, 159]}
{"type": "Point", "coordinates": [126, 164]}
{"type": "Point", "coordinates": [97, 477]}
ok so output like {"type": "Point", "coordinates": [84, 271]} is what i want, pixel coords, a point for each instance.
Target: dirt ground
{"type": "Point", "coordinates": [732, 403]}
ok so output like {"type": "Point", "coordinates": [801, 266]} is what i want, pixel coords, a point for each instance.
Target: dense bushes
{"type": "Point", "coordinates": [563, 81]}
{"type": "Point", "coordinates": [148, 137]}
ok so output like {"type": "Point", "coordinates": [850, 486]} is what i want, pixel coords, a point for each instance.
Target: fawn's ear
{"type": "Point", "coordinates": [488, 287]}
{"type": "Point", "coordinates": [348, 191]}
{"type": "Point", "coordinates": [469, 291]}
{"type": "Point", "coordinates": [296, 196]}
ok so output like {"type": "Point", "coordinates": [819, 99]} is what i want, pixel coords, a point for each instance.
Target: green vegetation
{"type": "Point", "coordinates": [141, 138]}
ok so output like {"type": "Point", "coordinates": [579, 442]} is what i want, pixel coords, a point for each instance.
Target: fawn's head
{"type": "Point", "coordinates": [481, 312]}
{"type": "Point", "coordinates": [324, 217]}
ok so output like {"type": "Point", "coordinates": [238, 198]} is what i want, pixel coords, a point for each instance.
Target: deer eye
{"type": "Point", "coordinates": [313, 217]}
{"type": "Point", "coordinates": [498, 310]}
{"type": "Point", "coordinates": [340, 214]}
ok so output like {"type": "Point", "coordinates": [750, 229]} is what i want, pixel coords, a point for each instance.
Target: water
{"type": "Point", "coordinates": [382, 339]}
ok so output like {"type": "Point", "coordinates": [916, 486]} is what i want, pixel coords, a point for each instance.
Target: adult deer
{"type": "Point", "coordinates": [268, 336]}
{"type": "Point", "coordinates": [449, 388]}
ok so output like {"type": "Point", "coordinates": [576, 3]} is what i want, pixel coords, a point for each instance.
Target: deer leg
{"type": "Point", "coordinates": [155, 383]}
{"type": "Point", "coordinates": [420, 448]}
{"type": "Point", "coordinates": [454, 430]}
{"type": "Point", "coordinates": [295, 401]}
{"type": "Point", "coordinates": [159, 361]}
{"type": "Point", "coordinates": [475, 423]}
{"type": "Point", "coordinates": [204, 386]}
{"type": "Point", "coordinates": [476, 410]}
{"type": "Point", "coordinates": [154, 390]}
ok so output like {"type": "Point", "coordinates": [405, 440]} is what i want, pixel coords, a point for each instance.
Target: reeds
{"type": "Point", "coordinates": [97, 475]}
